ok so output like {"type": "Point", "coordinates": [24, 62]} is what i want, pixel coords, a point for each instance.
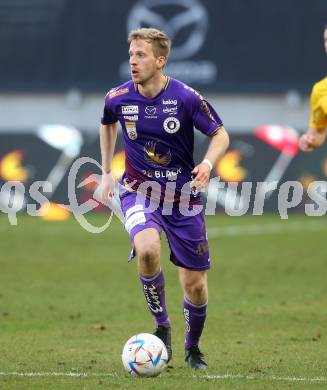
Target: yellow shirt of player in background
{"type": "Point", "coordinates": [318, 105]}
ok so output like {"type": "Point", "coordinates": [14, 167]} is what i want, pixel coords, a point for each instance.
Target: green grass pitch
{"type": "Point", "coordinates": [69, 300]}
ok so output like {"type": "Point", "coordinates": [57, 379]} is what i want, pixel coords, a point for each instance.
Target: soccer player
{"type": "Point", "coordinates": [316, 134]}
{"type": "Point", "coordinates": [158, 114]}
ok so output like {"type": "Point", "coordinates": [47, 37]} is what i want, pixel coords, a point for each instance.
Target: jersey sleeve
{"type": "Point", "coordinates": [318, 109]}
{"type": "Point", "coordinates": [109, 115]}
{"type": "Point", "coordinates": [204, 117]}
{"type": "Point", "coordinates": [323, 105]}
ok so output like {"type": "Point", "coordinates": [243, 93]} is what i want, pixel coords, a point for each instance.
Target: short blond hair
{"type": "Point", "coordinates": [159, 40]}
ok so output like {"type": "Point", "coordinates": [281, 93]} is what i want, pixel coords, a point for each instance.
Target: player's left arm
{"type": "Point", "coordinates": [217, 148]}
{"type": "Point", "coordinates": [312, 139]}
{"type": "Point", "coordinates": [316, 134]}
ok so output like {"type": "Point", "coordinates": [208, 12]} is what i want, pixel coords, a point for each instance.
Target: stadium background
{"type": "Point", "coordinates": [255, 61]}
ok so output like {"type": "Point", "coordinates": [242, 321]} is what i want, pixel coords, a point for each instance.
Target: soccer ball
{"type": "Point", "coordinates": [144, 355]}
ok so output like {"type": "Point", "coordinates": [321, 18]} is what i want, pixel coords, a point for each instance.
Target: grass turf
{"type": "Point", "coordinates": [69, 301]}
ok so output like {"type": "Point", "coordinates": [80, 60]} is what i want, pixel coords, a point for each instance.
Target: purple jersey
{"type": "Point", "coordinates": [159, 132]}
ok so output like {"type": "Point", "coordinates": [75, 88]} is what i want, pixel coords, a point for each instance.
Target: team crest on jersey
{"type": "Point", "coordinates": [117, 92]}
{"type": "Point", "coordinates": [131, 130]}
{"type": "Point", "coordinates": [155, 156]}
{"type": "Point", "coordinates": [171, 125]}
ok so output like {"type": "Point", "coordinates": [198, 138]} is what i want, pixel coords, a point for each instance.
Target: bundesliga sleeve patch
{"type": "Point", "coordinates": [205, 108]}
{"type": "Point", "coordinates": [113, 93]}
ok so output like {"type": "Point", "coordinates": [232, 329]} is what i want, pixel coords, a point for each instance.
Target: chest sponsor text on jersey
{"type": "Point", "coordinates": [131, 117]}
{"type": "Point", "coordinates": [128, 110]}
{"type": "Point", "coordinates": [163, 174]}
{"type": "Point", "coordinates": [170, 110]}
{"type": "Point", "coordinates": [169, 101]}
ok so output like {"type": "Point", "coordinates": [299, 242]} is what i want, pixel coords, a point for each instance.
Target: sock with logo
{"type": "Point", "coordinates": [195, 316]}
{"type": "Point", "coordinates": [154, 292]}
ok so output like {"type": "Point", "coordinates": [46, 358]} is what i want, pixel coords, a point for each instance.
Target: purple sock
{"type": "Point", "coordinates": [154, 292]}
{"type": "Point", "coordinates": [195, 316]}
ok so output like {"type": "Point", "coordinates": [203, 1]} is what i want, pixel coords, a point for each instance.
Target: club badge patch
{"type": "Point", "coordinates": [171, 125]}
{"type": "Point", "coordinates": [131, 130]}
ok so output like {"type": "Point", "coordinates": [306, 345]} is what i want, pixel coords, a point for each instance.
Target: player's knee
{"type": "Point", "coordinates": [196, 290]}
{"type": "Point", "coordinates": [148, 255]}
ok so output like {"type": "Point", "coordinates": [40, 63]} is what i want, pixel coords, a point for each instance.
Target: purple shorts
{"type": "Point", "coordinates": [186, 235]}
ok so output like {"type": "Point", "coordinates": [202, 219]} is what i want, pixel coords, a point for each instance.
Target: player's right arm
{"type": "Point", "coordinates": [108, 137]}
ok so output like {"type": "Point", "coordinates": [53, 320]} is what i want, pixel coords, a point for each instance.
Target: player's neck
{"type": "Point", "coordinates": [153, 86]}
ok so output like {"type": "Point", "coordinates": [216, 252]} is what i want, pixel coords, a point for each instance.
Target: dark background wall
{"type": "Point", "coordinates": [219, 45]}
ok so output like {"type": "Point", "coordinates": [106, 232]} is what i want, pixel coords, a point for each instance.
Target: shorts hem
{"type": "Point", "coordinates": [182, 265]}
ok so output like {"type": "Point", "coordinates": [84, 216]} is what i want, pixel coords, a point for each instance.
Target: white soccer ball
{"type": "Point", "coordinates": [144, 355]}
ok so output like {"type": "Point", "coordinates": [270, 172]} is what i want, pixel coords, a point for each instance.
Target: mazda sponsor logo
{"type": "Point", "coordinates": [150, 110]}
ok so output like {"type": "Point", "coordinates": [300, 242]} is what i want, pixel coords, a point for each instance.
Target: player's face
{"type": "Point", "coordinates": [144, 65]}
{"type": "Point", "coordinates": [325, 40]}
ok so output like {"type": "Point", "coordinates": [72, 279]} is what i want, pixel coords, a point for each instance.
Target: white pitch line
{"type": "Point", "coordinates": [269, 378]}
{"type": "Point", "coordinates": [300, 379]}
{"type": "Point", "coordinates": [269, 228]}
{"type": "Point", "coordinates": [211, 377]}
{"type": "Point", "coordinates": [47, 374]}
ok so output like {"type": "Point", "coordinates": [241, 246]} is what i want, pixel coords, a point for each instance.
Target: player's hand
{"type": "Point", "coordinates": [311, 140]}
{"type": "Point", "coordinates": [202, 176]}
{"type": "Point", "coordinates": [107, 186]}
